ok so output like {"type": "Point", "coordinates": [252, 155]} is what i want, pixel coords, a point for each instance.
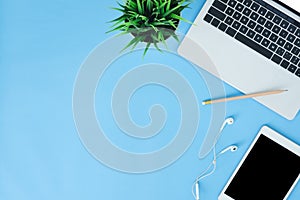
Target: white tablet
{"type": "Point", "coordinates": [269, 170]}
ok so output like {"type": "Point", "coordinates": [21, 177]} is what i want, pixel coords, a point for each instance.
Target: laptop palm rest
{"type": "Point", "coordinates": [242, 68]}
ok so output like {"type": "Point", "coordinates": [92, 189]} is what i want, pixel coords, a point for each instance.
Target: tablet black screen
{"type": "Point", "coordinates": [268, 172]}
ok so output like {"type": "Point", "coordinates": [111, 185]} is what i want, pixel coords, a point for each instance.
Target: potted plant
{"type": "Point", "coordinates": [149, 21]}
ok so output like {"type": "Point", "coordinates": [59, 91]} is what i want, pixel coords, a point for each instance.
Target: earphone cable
{"type": "Point", "coordinates": [204, 173]}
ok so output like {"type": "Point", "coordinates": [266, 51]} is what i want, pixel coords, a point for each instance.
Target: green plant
{"type": "Point", "coordinates": [149, 21]}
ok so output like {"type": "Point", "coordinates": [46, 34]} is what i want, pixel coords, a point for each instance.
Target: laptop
{"type": "Point", "coordinates": [255, 46]}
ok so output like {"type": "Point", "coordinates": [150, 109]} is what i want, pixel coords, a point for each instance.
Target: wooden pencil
{"type": "Point", "coordinates": [246, 96]}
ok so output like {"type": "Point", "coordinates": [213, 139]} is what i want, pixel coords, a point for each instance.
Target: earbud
{"type": "Point", "coordinates": [228, 121]}
{"type": "Point", "coordinates": [232, 148]}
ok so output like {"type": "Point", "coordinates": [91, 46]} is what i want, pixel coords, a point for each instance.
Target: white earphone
{"type": "Point", "coordinates": [232, 148]}
{"type": "Point", "coordinates": [204, 174]}
{"type": "Point", "coordinates": [228, 121]}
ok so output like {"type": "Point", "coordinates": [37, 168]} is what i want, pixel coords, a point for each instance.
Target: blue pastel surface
{"type": "Point", "coordinates": [42, 46]}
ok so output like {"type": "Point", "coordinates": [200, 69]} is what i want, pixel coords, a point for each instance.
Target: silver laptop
{"type": "Point", "coordinates": [254, 44]}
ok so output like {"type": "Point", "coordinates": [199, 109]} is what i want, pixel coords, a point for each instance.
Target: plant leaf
{"type": "Point", "coordinates": [132, 4]}
{"type": "Point", "coordinates": [132, 42]}
{"type": "Point", "coordinates": [154, 28]}
{"type": "Point", "coordinates": [146, 49]}
{"type": "Point", "coordinates": [149, 5]}
{"type": "Point", "coordinates": [174, 16]}
{"type": "Point", "coordinates": [156, 46]}
{"type": "Point", "coordinates": [139, 7]}
{"type": "Point", "coordinates": [136, 43]}
{"type": "Point", "coordinates": [175, 37]}
{"type": "Point", "coordinates": [117, 28]}
{"type": "Point", "coordinates": [168, 6]}
{"type": "Point", "coordinates": [154, 38]}
{"type": "Point", "coordinates": [118, 20]}
{"type": "Point", "coordinates": [161, 7]}
{"type": "Point", "coordinates": [119, 9]}
{"type": "Point", "coordinates": [171, 11]}
{"type": "Point", "coordinates": [172, 24]}
{"type": "Point", "coordinates": [161, 38]}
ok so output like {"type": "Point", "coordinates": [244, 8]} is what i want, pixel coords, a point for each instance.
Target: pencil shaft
{"type": "Point", "coordinates": [243, 96]}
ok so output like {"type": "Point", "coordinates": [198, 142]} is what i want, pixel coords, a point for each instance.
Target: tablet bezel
{"type": "Point", "coordinates": [276, 137]}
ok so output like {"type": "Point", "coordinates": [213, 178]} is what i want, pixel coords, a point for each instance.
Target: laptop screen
{"type": "Point", "coordinates": [292, 4]}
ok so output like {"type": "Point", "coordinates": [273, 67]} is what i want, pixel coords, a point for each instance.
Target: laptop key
{"type": "Point", "coordinates": [276, 59]}
{"type": "Point", "coordinates": [269, 25]}
{"type": "Point", "coordinates": [243, 29]}
{"type": "Point", "coordinates": [208, 18]}
{"type": "Point", "coordinates": [297, 42]}
{"type": "Point", "coordinates": [247, 11]}
{"type": "Point", "coordinates": [291, 38]}
{"type": "Point", "coordinates": [232, 3]}
{"type": "Point", "coordinates": [254, 16]}
{"type": "Point", "coordinates": [239, 7]}
{"type": "Point", "coordinates": [251, 24]}
{"type": "Point", "coordinates": [292, 68]}
{"type": "Point", "coordinates": [254, 6]}
{"type": "Point", "coordinates": [222, 26]}
{"type": "Point", "coordinates": [261, 20]}
{"type": "Point", "coordinates": [230, 31]}
{"type": "Point", "coordinates": [253, 45]}
{"type": "Point", "coordinates": [237, 15]}
{"type": "Point", "coordinates": [295, 51]}
{"type": "Point", "coordinates": [273, 37]}
{"type": "Point", "coordinates": [266, 33]}
{"type": "Point", "coordinates": [269, 15]}
{"type": "Point", "coordinates": [244, 20]}
{"type": "Point", "coordinates": [229, 21]}
{"type": "Point", "coordinates": [216, 13]}
{"type": "Point", "coordinates": [265, 42]}
{"type": "Point", "coordinates": [298, 72]}
{"type": "Point", "coordinates": [229, 11]}
{"type": "Point", "coordinates": [288, 46]}
{"type": "Point", "coordinates": [277, 20]}
{"type": "Point", "coordinates": [295, 60]}
{"type": "Point", "coordinates": [283, 33]}
{"type": "Point", "coordinates": [225, 1]}
{"type": "Point", "coordinates": [221, 6]}
{"type": "Point", "coordinates": [247, 3]}
{"type": "Point", "coordinates": [273, 47]}
{"type": "Point", "coordinates": [236, 25]}
{"type": "Point", "coordinates": [284, 64]}
{"type": "Point", "coordinates": [281, 42]}
{"type": "Point", "coordinates": [259, 28]}
{"type": "Point", "coordinates": [250, 34]}
{"type": "Point", "coordinates": [262, 11]}
{"type": "Point", "coordinates": [297, 32]}
{"type": "Point", "coordinates": [276, 29]}
{"type": "Point", "coordinates": [291, 28]}
{"type": "Point", "coordinates": [215, 22]}
{"type": "Point", "coordinates": [280, 51]}
{"type": "Point", "coordinates": [287, 55]}
{"type": "Point", "coordinates": [258, 38]}
{"type": "Point", "coordinates": [284, 24]}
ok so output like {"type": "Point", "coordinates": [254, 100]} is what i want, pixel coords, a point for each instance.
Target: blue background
{"type": "Point", "coordinates": [42, 45]}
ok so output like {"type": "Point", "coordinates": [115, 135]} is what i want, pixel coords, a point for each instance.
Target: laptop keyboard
{"type": "Point", "coordinates": [261, 27]}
